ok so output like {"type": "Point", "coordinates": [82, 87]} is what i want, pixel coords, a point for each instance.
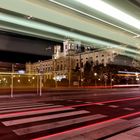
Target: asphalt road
{"type": "Point", "coordinates": [71, 114]}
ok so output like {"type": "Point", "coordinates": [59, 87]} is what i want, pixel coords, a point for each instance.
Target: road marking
{"type": "Point", "coordinates": [88, 102]}
{"type": "Point", "coordinates": [113, 106]}
{"type": "Point", "coordinates": [23, 106]}
{"type": "Point", "coordinates": [48, 126]}
{"type": "Point", "coordinates": [129, 109]}
{"type": "Point", "coordinates": [31, 108]}
{"type": "Point", "coordinates": [18, 114]}
{"type": "Point", "coordinates": [99, 104]}
{"type": "Point", "coordinates": [81, 131]}
{"type": "Point", "coordinates": [115, 128]}
{"type": "Point", "coordinates": [41, 118]}
{"type": "Point", "coordinates": [78, 101]}
{"type": "Point", "coordinates": [105, 102]}
{"type": "Point", "coordinates": [21, 102]}
{"type": "Point", "coordinates": [85, 129]}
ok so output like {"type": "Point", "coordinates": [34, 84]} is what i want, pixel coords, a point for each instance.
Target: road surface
{"type": "Point", "coordinates": [89, 114]}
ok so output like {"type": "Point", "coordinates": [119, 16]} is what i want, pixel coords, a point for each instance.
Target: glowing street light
{"type": "Point", "coordinates": [95, 74]}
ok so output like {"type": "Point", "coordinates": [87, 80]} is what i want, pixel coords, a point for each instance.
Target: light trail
{"type": "Point", "coordinates": [87, 126]}
{"type": "Point", "coordinates": [73, 106]}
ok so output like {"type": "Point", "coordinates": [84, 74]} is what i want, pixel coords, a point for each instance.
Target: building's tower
{"type": "Point", "coordinates": [57, 51]}
{"type": "Point", "coordinates": [66, 47]}
{"type": "Point", "coordinates": [77, 46]}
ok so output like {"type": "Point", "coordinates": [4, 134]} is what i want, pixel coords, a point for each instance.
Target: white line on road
{"type": "Point", "coordinates": [99, 104]}
{"type": "Point", "coordinates": [20, 102]}
{"type": "Point", "coordinates": [31, 108]}
{"type": "Point", "coordinates": [72, 133]}
{"type": "Point", "coordinates": [88, 102]}
{"type": "Point", "coordinates": [23, 106]}
{"type": "Point", "coordinates": [113, 106]}
{"type": "Point", "coordinates": [18, 114]}
{"type": "Point", "coordinates": [48, 126]}
{"type": "Point", "coordinates": [129, 109]}
{"type": "Point", "coordinates": [94, 131]}
{"type": "Point", "coordinates": [41, 118]}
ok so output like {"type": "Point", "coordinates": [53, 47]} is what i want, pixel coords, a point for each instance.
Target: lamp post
{"type": "Point", "coordinates": [12, 81]}
{"type": "Point", "coordinates": [80, 82]}
{"type": "Point", "coordinates": [40, 85]}
{"type": "Point", "coordinates": [54, 70]}
{"type": "Point", "coordinates": [106, 80]}
{"type": "Point", "coordinates": [69, 70]}
{"type": "Point", "coordinates": [37, 83]}
{"type": "Point", "coordinates": [112, 82]}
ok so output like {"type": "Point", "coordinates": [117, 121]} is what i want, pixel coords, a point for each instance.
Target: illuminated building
{"type": "Point", "coordinates": [70, 58]}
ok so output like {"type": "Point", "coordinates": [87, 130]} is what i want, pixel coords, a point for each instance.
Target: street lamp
{"type": "Point", "coordinates": [69, 70]}
{"type": "Point", "coordinates": [95, 74]}
{"type": "Point", "coordinates": [112, 82]}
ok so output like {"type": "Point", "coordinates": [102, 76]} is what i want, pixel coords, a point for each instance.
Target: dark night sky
{"type": "Point", "coordinates": [17, 57]}
{"type": "Point", "coordinates": [20, 48]}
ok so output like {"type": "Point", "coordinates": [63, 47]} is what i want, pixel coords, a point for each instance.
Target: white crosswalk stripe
{"type": "Point", "coordinates": [33, 112]}
{"type": "Point", "coordinates": [19, 103]}
{"type": "Point", "coordinates": [41, 121]}
{"type": "Point", "coordinates": [129, 109]}
{"type": "Point", "coordinates": [113, 106]}
{"type": "Point", "coordinates": [76, 116]}
{"type": "Point", "coordinates": [29, 114]}
{"type": "Point", "coordinates": [97, 131]}
{"type": "Point", "coordinates": [70, 135]}
{"type": "Point", "coordinates": [41, 118]}
{"type": "Point", "coordinates": [23, 106]}
{"type": "Point", "coordinates": [38, 128]}
{"type": "Point", "coordinates": [99, 104]}
{"type": "Point", "coordinates": [30, 108]}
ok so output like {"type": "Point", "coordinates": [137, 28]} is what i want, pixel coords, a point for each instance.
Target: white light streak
{"type": "Point", "coordinates": [109, 10]}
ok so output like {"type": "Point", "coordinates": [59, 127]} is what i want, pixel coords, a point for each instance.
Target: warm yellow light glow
{"type": "Point", "coordinates": [95, 74]}
{"type": "Point", "coordinates": [4, 78]}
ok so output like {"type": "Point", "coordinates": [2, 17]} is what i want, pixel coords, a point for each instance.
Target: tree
{"type": "Point", "coordinates": [88, 72]}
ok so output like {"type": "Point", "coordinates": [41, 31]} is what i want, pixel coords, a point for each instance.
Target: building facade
{"type": "Point", "coordinates": [68, 58]}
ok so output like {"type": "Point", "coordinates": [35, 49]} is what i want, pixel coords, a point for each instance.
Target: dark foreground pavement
{"type": "Point", "coordinates": [71, 114]}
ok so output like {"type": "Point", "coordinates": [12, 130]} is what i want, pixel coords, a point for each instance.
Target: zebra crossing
{"type": "Point", "coordinates": [41, 120]}
{"type": "Point", "coordinates": [34, 118]}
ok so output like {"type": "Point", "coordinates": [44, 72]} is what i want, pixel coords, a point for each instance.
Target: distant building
{"type": "Point", "coordinates": [70, 57]}
{"type": "Point", "coordinates": [11, 67]}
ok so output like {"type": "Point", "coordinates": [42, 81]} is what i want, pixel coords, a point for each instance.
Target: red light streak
{"type": "Point", "coordinates": [79, 105]}
{"type": "Point", "coordinates": [91, 125]}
